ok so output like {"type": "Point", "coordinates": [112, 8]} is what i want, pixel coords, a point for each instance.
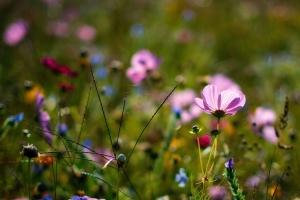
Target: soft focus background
{"type": "Point", "coordinates": [254, 43]}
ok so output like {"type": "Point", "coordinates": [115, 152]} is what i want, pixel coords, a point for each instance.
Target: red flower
{"type": "Point", "coordinates": [204, 141]}
{"type": "Point", "coordinates": [57, 68]}
{"type": "Point", "coordinates": [66, 87]}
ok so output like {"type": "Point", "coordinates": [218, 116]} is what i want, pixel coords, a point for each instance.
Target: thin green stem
{"type": "Point", "coordinates": [200, 156]}
{"type": "Point", "coordinates": [29, 178]}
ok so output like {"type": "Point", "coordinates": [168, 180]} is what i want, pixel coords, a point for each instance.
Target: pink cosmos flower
{"type": "Point", "coordinates": [262, 123]}
{"type": "Point", "coordinates": [136, 74]}
{"type": "Point", "coordinates": [223, 83]}
{"type": "Point", "coordinates": [15, 32]}
{"type": "Point", "coordinates": [143, 64]}
{"type": "Point", "coordinates": [227, 102]}
{"type": "Point", "coordinates": [144, 58]}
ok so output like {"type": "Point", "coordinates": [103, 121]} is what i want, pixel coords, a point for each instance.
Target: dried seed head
{"type": "Point", "coordinates": [121, 160]}
{"type": "Point", "coordinates": [30, 151]}
{"type": "Point", "coordinates": [284, 116]}
{"type": "Point", "coordinates": [28, 85]}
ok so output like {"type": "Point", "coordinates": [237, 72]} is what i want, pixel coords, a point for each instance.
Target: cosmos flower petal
{"type": "Point", "coordinates": [210, 95]}
{"type": "Point", "coordinates": [199, 102]}
{"type": "Point", "coordinates": [228, 99]}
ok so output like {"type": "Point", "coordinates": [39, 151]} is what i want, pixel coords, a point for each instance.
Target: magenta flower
{"type": "Point", "coordinates": [15, 32]}
{"type": "Point", "coordinates": [57, 68]}
{"type": "Point", "coordinates": [204, 141]}
{"type": "Point", "coordinates": [227, 102]}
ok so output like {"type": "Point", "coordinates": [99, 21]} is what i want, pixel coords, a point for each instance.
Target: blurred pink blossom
{"type": "Point", "coordinates": [183, 102]}
{"type": "Point", "coordinates": [59, 28]}
{"type": "Point", "coordinates": [86, 33]}
{"type": "Point", "coordinates": [136, 74]}
{"type": "Point", "coordinates": [220, 104]}
{"type": "Point", "coordinates": [217, 192]}
{"type": "Point", "coordinates": [143, 64]}
{"type": "Point", "coordinates": [262, 123]}
{"type": "Point", "coordinates": [255, 180]}
{"type": "Point", "coordinates": [223, 83]}
{"type": "Point", "coordinates": [144, 58]}
{"type": "Point", "coordinates": [263, 116]}
{"type": "Point", "coordinates": [15, 32]}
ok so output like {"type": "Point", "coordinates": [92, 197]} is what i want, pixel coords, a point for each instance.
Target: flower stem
{"type": "Point", "coordinates": [200, 156]}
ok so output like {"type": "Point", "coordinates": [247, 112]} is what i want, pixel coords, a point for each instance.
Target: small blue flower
{"type": "Point", "coordinates": [96, 58]}
{"type": "Point", "coordinates": [16, 118]}
{"type": "Point", "coordinates": [101, 72]}
{"type": "Point", "coordinates": [229, 164]}
{"type": "Point", "coordinates": [80, 198]}
{"type": "Point", "coordinates": [177, 111]}
{"type": "Point", "coordinates": [137, 30]}
{"type": "Point", "coordinates": [108, 90]}
{"type": "Point", "coordinates": [181, 178]}
{"type": "Point", "coordinates": [47, 197]}
{"type": "Point", "coordinates": [62, 129]}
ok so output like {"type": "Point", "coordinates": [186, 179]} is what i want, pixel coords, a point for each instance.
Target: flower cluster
{"type": "Point", "coordinates": [181, 178]}
{"type": "Point", "coordinates": [262, 123]}
{"type": "Point", "coordinates": [143, 64]}
{"type": "Point", "coordinates": [230, 174]}
{"type": "Point", "coordinates": [57, 68]}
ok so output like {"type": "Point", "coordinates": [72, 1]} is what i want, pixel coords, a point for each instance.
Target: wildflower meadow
{"type": "Point", "coordinates": [149, 100]}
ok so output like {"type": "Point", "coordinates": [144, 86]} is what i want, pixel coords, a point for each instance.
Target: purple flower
{"type": "Point", "coordinates": [43, 117]}
{"type": "Point", "coordinates": [217, 192]}
{"type": "Point", "coordinates": [181, 178]}
{"type": "Point", "coordinates": [262, 123]}
{"type": "Point", "coordinates": [229, 164]}
{"type": "Point", "coordinates": [227, 102]}
{"type": "Point", "coordinates": [143, 64]}
{"type": "Point", "coordinates": [223, 83]}
{"type": "Point", "coordinates": [255, 180]}
{"type": "Point", "coordinates": [15, 32]}
{"type": "Point", "coordinates": [145, 59]}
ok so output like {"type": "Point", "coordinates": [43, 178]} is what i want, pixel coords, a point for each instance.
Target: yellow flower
{"type": "Point", "coordinates": [30, 94]}
{"type": "Point", "coordinates": [277, 192]}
